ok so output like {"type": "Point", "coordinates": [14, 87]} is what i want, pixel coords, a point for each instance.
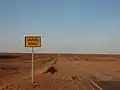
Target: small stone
{"type": "Point", "coordinates": [54, 86]}
{"type": "Point", "coordinates": [34, 85]}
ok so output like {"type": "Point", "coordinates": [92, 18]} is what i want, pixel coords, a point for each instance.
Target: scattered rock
{"type": "Point", "coordinates": [5, 86]}
{"type": "Point", "coordinates": [34, 85]}
{"type": "Point", "coordinates": [8, 85]}
{"type": "Point", "coordinates": [74, 77]}
{"type": "Point", "coordinates": [86, 59]}
{"type": "Point", "coordinates": [54, 62]}
{"type": "Point", "coordinates": [51, 70]}
{"type": "Point", "coordinates": [54, 86]}
{"type": "Point", "coordinates": [93, 77]}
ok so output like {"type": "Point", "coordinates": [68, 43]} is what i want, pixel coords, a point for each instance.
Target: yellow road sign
{"type": "Point", "coordinates": [32, 41]}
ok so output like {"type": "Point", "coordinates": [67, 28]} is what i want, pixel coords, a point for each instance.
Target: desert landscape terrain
{"type": "Point", "coordinates": [60, 71]}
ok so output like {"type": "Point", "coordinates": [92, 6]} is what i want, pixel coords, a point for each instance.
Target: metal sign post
{"type": "Point", "coordinates": [32, 72]}
{"type": "Point", "coordinates": [32, 41]}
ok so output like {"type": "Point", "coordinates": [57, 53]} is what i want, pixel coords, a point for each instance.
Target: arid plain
{"type": "Point", "coordinates": [60, 71]}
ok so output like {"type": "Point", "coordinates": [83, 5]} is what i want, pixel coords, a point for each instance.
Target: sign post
{"type": "Point", "coordinates": [32, 72]}
{"type": "Point", "coordinates": [32, 41]}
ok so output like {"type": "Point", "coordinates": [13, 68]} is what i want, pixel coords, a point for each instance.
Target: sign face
{"type": "Point", "coordinates": [32, 41]}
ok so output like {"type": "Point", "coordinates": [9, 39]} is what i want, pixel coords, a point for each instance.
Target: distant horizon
{"type": "Point", "coordinates": [54, 53]}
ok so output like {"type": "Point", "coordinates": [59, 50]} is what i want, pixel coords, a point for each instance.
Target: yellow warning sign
{"type": "Point", "coordinates": [32, 41]}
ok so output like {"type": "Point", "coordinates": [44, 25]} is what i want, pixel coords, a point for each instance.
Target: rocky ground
{"type": "Point", "coordinates": [57, 72]}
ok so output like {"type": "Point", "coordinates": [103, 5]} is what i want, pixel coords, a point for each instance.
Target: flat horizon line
{"type": "Point", "coordinates": [54, 53]}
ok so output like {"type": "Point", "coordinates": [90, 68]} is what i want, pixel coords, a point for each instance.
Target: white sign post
{"type": "Point", "coordinates": [32, 41]}
{"type": "Point", "coordinates": [32, 74]}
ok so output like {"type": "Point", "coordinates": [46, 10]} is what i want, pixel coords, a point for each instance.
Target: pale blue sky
{"type": "Point", "coordinates": [78, 26]}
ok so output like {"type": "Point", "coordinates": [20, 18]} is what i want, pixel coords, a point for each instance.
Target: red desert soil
{"type": "Point", "coordinates": [57, 71]}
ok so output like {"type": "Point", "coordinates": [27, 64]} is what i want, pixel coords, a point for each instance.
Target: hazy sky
{"type": "Point", "coordinates": [78, 26]}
